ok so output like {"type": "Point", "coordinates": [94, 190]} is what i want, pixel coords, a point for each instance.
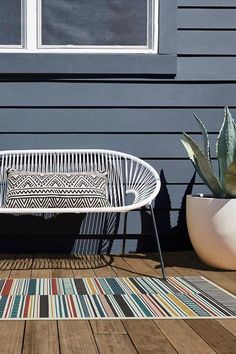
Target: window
{"type": "Point", "coordinates": [11, 24]}
{"type": "Point", "coordinates": [73, 26]}
{"type": "Point", "coordinates": [143, 30]}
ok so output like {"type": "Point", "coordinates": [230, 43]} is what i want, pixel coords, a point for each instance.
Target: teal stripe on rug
{"type": "Point", "coordinates": [116, 289]}
{"type": "Point", "coordinates": [3, 302]}
{"type": "Point", "coordinates": [15, 308]}
{"type": "Point", "coordinates": [32, 287]}
{"type": "Point", "coordinates": [104, 285]}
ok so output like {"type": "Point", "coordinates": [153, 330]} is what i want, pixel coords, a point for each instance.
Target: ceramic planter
{"type": "Point", "coordinates": [212, 229]}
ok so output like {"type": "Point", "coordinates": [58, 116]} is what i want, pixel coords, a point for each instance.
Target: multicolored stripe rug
{"type": "Point", "coordinates": [109, 298]}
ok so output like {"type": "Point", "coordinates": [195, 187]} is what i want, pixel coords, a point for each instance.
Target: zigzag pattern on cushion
{"type": "Point", "coordinates": [56, 190]}
{"type": "Point", "coordinates": [79, 180]}
{"type": "Point", "coordinates": [40, 192]}
{"type": "Point", "coordinates": [58, 203]}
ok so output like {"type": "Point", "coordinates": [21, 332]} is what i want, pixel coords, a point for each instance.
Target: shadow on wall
{"type": "Point", "coordinates": [171, 238]}
{"type": "Point", "coordinates": [102, 226]}
{"type": "Point", "coordinates": [59, 234]}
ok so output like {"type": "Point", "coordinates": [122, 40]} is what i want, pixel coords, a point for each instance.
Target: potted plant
{"type": "Point", "coordinates": [211, 219]}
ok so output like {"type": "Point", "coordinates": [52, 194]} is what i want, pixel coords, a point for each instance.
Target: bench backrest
{"type": "Point", "coordinates": [125, 172]}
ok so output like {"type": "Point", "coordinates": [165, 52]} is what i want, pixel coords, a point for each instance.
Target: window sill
{"type": "Point", "coordinates": [84, 64]}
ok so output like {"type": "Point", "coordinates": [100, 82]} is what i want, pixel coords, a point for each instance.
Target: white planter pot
{"type": "Point", "coordinates": [212, 229]}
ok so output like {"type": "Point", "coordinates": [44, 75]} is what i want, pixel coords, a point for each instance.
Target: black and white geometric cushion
{"type": "Point", "coordinates": [56, 190]}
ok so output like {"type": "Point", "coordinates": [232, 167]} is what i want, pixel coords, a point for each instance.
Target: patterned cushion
{"type": "Point", "coordinates": [56, 190]}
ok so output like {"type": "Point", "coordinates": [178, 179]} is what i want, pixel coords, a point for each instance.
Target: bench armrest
{"type": "Point", "coordinates": [143, 194]}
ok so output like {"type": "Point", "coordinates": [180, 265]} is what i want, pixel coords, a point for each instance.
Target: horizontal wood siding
{"type": "Point", "coordinates": [206, 3]}
{"type": "Point", "coordinates": [206, 68]}
{"type": "Point", "coordinates": [114, 120]}
{"type": "Point", "coordinates": [205, 18]}
{"type": "Point", "coordinates": [142, 145]}
{"type": "Point", "coordinates": [141, 115]}
{"type": "Point", "coordinates": [113, 94]}
{"type": "Point", "coordinates": [204, 42]}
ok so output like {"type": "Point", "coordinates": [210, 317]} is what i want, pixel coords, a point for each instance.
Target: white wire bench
{"type": "Point", "coordinates": [127, 175]}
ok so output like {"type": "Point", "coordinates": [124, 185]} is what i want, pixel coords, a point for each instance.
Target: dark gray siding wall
{"type": "Point", "coordinates": [142, 116]}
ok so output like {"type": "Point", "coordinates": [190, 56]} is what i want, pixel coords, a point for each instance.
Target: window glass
{"type": "Point", "coordinates": [94, 22]}
{"type": "Point", "coordinates": [10, 22]}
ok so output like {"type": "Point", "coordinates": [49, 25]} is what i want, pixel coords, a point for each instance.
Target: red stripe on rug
{"type": "Point", "coordinates": [99, 286]}
{"type": "Point", "coordinates": [54, 287]}
{"type": "Point", "coordinates": [25, 314]}
{"type": "Point", "coordinates": [204, 306]}
{"type": "Point", "coordinates": [72, 305]}
{"type": "Point", "coordinates": [7, 287]}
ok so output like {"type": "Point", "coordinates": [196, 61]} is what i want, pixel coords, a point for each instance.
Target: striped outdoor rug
{"type": "Point", "coordinates": [89, 298]}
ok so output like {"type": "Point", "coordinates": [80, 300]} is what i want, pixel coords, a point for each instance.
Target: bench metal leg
{"type": "Point", "coordinates": [124, 233]}
{"type": "Point", "coordinates": [158, 243]}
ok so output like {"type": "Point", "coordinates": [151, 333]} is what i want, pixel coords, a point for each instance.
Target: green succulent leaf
{"type": "Point", "coordinates": [226, 144]}
{"type": "Point", "coordinates": [205, 137]}
{"type": "Point", "coordinates": [230, 179]}
{"type": "Point", "coordinates": [202, 165]}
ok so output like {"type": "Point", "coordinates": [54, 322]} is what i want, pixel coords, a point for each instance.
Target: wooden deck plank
{"type": "Point", "coordinates": [122, 268]}
{"type": "Point", "coordinates": [41, 337]}
{"type": "Point", "coordinates": [6, 263]}
{"type": "Point", "coordinates": [147, 337]}
{"type": "Point", "coordinates": [82, 267]}
{"type": "Point", "coordinates": [83, 273]}
{"type": "Point", "coordinates": [180, 266]}
{"type": "Point", "coordinates": [41, 266]}
{"type": "Point", "coordinates": [117, 344]}
{"type": "Point", "coordinates": [61, 266]}
{"type": "Point", "coordinates": [229, 324]}
{"type": "Point", "coordinates": [91, 266]}
{"type": "Point", "coordinates": [22, 266]}
{"type": "Point", "coordinates": [139, 266]}
{"type": "Point", "coordinates": [152, 261]}
{"type": "Point", "coordinates": [76, 337]}
{"type": "Point", "coordinates": [104, 268]}
{"type": "Point", "coordinates": [192, 261]}
{"type": "Point", "coordinates": [219, 338]}
{"type": "Point", "coordinates": [113, 327]}
{"type": "Point", "coordinates": [183, 338]}
{"type": "Point", "coordinates": [11, 336]}
{"type": "Point", "coordinates": [4, 274]}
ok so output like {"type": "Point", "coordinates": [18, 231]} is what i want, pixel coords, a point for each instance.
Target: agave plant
{"type": "Point", "coordinates": [223, 186]}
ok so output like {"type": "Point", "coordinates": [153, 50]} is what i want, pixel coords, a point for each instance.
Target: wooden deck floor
{"type": "Point", "coordinates": [115, 336]}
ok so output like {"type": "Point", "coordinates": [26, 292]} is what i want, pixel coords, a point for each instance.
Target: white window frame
{"type": "Point", "coordinates": [31, 39]}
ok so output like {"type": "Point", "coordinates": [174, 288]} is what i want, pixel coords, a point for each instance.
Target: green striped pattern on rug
{"type": "Point", "coordinates": [141, 297]}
